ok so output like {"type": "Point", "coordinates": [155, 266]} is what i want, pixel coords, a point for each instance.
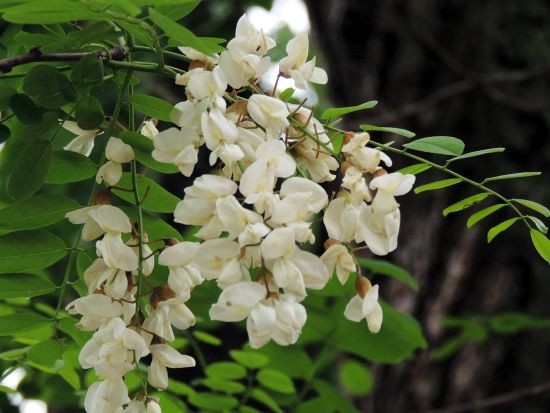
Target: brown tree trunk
{"type": "Point", "coordinates": [425, 61]}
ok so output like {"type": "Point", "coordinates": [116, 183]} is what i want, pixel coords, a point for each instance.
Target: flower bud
{"type": "Point", "coordinates": [238, 107]}
{"type": "Point", "coordinates": [362, 286]}
{"type": "Point", "coordinates": [196, 64]}
{"type": "Point", "coordinates": [170, 242]}
{"type": "Point", "coordinates": [379, 172]}
{"type": "Point", "coordinates": [348, 136]}
{"type": "Point", "coordinates": [330, 242]}
{"type": "Point", "coordinates": [102, 197]}
{"type": "Point", "coordinates": [345, 165]}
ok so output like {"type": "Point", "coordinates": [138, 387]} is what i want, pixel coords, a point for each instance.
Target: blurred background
{"type": "Point", "coordinates": [480, 71]}
{"type": "Point", "coordinates": [477, 70]}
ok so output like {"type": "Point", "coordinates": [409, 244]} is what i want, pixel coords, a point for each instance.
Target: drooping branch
{"type": "Point", "coordinates": [35, 55]}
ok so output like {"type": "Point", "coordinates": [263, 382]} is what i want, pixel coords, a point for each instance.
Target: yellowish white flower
{"type": "Point", "coordinates": [366, 308]}
{"type": "Point", "coordinates": [178, 147]}
{"type": "Point", "coordinates": [99, 219]}
{"type": "Point", "coordinates": [84, 141]}
{"type": "Point", "coordinates": [165, 356]}
{"type": "Point", "coordinates": [337, 257]}
{"type": "Point", "coordinates": [117, 152]}
{"type": "Point", "coordinates": [236, 301]}
{"type": "Point", "coordinates": [270, 113]}
{"type": "Point", "coordinates": [149, 129]}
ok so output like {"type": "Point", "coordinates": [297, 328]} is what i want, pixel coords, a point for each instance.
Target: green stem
{"type": "Point", "coordinates": [314, 138]}
{"type": "Point", "coordinates": [172, 55]}
{"type": "Point", "coordinates": [74, 247]}
{"type": "Point", "coordinates": [198, 352]}
{"type": "Point", "coordinates": [448, 171]}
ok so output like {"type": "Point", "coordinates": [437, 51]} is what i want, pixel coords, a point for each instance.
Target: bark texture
{"type": "Point", "coordinates": [478, 71]}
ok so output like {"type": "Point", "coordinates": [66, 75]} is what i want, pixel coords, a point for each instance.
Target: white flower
{"type": "Point", "coordinates": [199, 204]}
{"type": "Point", "coordinates": [379, 230]}
{"type": "Point", "coordinates": [236, 301]}
{"type": "Point", "coordinates": [388, 186]}
{"type": "Point", "coordinates": [219, 259]}
{"type": "Point", "coordinates": [337, 256]}
{"type": "Point", "coordinates": [96, 310]}
{"type": "Point", "coordinates": [367, 307]}
{"type": "Point", "coordinates": [234, 217]}
{"type": "Point", "coordinates": [116, 254]}
{"type": "Point", "coordinates": [340, 219]}
{"type": "Point", "coordinates": [207, 85]}
{"type": "Point", "coordinates": [248, 39]}
{"type": "Point", "coordinates": [111, 281]}
{"type": "Point", "coordinates": [149, 129]}
{"type": "Point", "coordinates": [165, 356]}
{"type": "Point", "coordinates": [168, 313]}
{"type": "Point", "coordinates": [117, 152]}
{"type": "Point", "coordinates": [363, 158]}
{"type": "Point", "coordinates": [111, 350]}
{"type": "Point", "coordinates": [296, 66]}
{"type": "Point", "coordinates": [99, 219]}
{"type": "Point", "coordinates": [196, 55]}
{"type": "Point", "coordinates": [183, 273]}
{"type": "Point", "coordinates": [355, 182]}
{"type": "Point", "coordinates": [220, 136]}
{"type": "Point", "coordinates": [178, 147]}
{"type": "Point", "coordinates": [84, 142]}
{"type": "Point", "coordinates": [260, 324]}
{"type": "Point", "coordinates": [106, 396]}
{"type": "Point", "coordinates": [291, 317]}
{"type": "Point", "coordinates": [188, 114]}
{"type": "Point", "coordinates": [270, 113]}
{"type": "Point", "coordinates": [300, 198]}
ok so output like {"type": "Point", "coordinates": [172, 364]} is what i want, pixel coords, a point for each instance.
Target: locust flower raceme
{"type": "Point", "coordinates": [256, 214]}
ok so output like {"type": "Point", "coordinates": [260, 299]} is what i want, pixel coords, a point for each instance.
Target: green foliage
{"type": "Point", "coordinates": [29, 250]}
{"type": "Point", "coordinates": [356, 378]}
{"type": "Point", "coordinates": [276, 381]}
{"type": "Point", "coordinates": [395, 131]}
{"type": "Point", "coordinates": [155, 198]}
{"type": "Point", "coordinates": [30, 170]}
{"type": "Point", "coordinates": [89, 113]}
{"type": "Point", "coordinates": [442, 145]}
{"type": "Point", "coordinates": [484, 213]}
{"type": "Point", "coordinates": [432, 186]}
{"type": "Point", "coordinates": [152, 106]}
{"type": "Point", "coordinates": [387, 268]}
{"type": "Point", "coordinates": [36, 212]}
{"type": "Point", "coordinates": [66, 167]}
{"type": "Point", "coordinates": [13, 324]}
{"type": "Point", "coordinates": [24, 285]}
{"type": "Point", "coordinates": [465, 203]}
{"type": "Point", "coordinates": [333, 113]}
{"type": "Point", "coordinates": [142, 149]}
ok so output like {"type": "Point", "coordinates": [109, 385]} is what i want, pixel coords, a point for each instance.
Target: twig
{"type": "Point", "coordinates": [497, 400]}
{"type": "Point", "coordinates": [35, 55]}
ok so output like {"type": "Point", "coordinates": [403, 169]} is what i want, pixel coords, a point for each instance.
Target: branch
{"type": "Point", "coordinates": [497, 400]}
{"type": "Point", "coordinates": [35, 55]}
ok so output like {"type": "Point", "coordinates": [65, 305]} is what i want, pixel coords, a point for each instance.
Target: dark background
{"type": "Point", "coordinates": [478, 70]}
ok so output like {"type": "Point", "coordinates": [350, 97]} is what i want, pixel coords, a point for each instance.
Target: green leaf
{"type": "Point", "coordinates": [338, 112]}
{"type": "Point", "coordinates": [223, 386]}
{"type": "Point", "coordinates": [535, 206]}
{"type": "Point", "coordinates": [68, 166]}
{"type": "Point", "coordinates": [24, 285]}
{"type": "Point", "coordinates": [13, 324]}
{"type": "Point", "coordinates": [276, 380]}
{"type": "Point", "coordinates": [213, 402]}
{"type": "Point", "coordinates": [511, 323]}
{"type": "Point", "coordinates": [25, 110]}
{"type": "Point", "coordinates": [398, 338]}
{"type": "Point", "coordinates": [396, 131]}
{"type": "Point", "coordinates": [29, 171]}
{"type": "Point", "coordinates": [415, 169]}
{"type": "Point", "coordinates": [538, 224]}
{"type": "Point", "coordinates": [46, 353]}
{"type": "Point", "coordinates": [36, 212]}
{"type": "Point", "coordinates": [68, 326]}
{"type": "Point", "coordinates": [249, 359]}
{"type": "Point", "coordinates": [158, 199]}
{"type": "Point", "coordinates": [262, 397]}
{"type": "Point", "coordinates": [541, 243]}
{"type": "Point", "coordinates": [332, 398]}
{"type": "Point", "coordinates": [497, 229]}
{"type": "Point", "coordinates": [465, 203]}
{"type": "Point", "coordinates": [225, 370]}
{"type": "Point", "coordinates": [442, 145]}
{"type": "Point", "coordinates": [89, 113]}
{"type": "Point", "coordinates": [432, 186]}
{"type": "Point", "coordinates": [7, 390]}
{"type": "Point", "coordinates": [174, 9]}
{"type": "Point", "coordinates": [58, 11]}
{"type": "Point", "coordinates": [286, 94]}
{"type": "Point", "coordinates": [181, 35]}
{"type": "Point", "coordinates": [387, 268]}
{"type": "Point", "coordinates": [5, 133]}
{"type": "Point", "coordinates": [29, 250]}
{"type": "Point", "coordinates": [479, 215]}
{"type": "Point", "coordinates": [207, 338]}
{"type": "Point", "coordinates": [143, 147]}
{"type": "Point", "coordinates": [152, 106]}
{"type": "Point", "coordinates": [6, 93]}
{"type": "Point", "coordinates": [88, 71]}
{"type": "Point", "coordinates": [356, 378]}
{"type": "Point", "coordinates": [476, 153]}
{"type": "Point", "coordinates": [511, 176]}
{"type": "Point", "coordinates": [69, 374]}
{"type": "Point", "coordinates": [43, 130]}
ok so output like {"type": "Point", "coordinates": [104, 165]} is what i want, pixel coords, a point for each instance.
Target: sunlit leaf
{"type": "Point", "coordinates": [478, 216]}
{"type": "Point", "coordinates": [476, 153]}
{"type": "Point", "coordinates": [541, 243]}
{"type": "Point", "coordinates": [497, 229]}
{"type": "Point", "coordinates": [415, 169]}
{"type": "Point", "coordinates": [337, 112]}
{"type": "Point", "coordinates": [24, 285]}
{"type": "Point", "coordinates": [465, 203]}
{"type": "Point", "coordinates": [432, 186]}
{"type": "Point", "coordinates": [442, 145]}
{"type": "Point", "coordinates": [396, 131]}
{"type": "Point", "coordinates": [535, 206]}
{"type": "Point", "coordinates": [275, 380]}
{"type": "Point", "coordinates": [152, 106]}
{"type": "Point", "coordinates": [356, 378]}
{"type": "Point", "coordinates": [16, 323]}
{"type": "Point", "coordinates": [387, 268]}
{"type": "Point", "coordinates": [226, 370]}
{"type": "Point", "coordinates": [511, 176]}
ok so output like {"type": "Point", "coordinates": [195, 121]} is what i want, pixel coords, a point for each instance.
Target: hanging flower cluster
{"type": "Point", "coordinates": [254, 215]}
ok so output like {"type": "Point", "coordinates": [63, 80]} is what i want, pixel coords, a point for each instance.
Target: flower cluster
{"type": "Point", "coordinates": [254, 215]}
{"type": "Point", "coordinates": [110, 309]}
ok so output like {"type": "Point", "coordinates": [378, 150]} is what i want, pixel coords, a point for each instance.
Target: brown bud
{"type": "Point", "coordinates": [345, 165]}
{"type": "Point", "coordinates": [162, 293]}
{"type": "Point", "coordinates": [102, 197]}
{"type": "Point", "coordinates": [300, 117]}
{"type": "Point", "coordinates": [362, 286]}
{"type": "Point", "coordinates": [379, 172]}
{"type": "Point", "coordinates": [330, 242]}
{"type": "Point", "coordinates": [238, 107]}
{"type": "Point", "coordinates": [196, 64]}
{"type": "Point", "coordinates": [170, 242]}
{"type": "Point", "coordinates": [348, 136]}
